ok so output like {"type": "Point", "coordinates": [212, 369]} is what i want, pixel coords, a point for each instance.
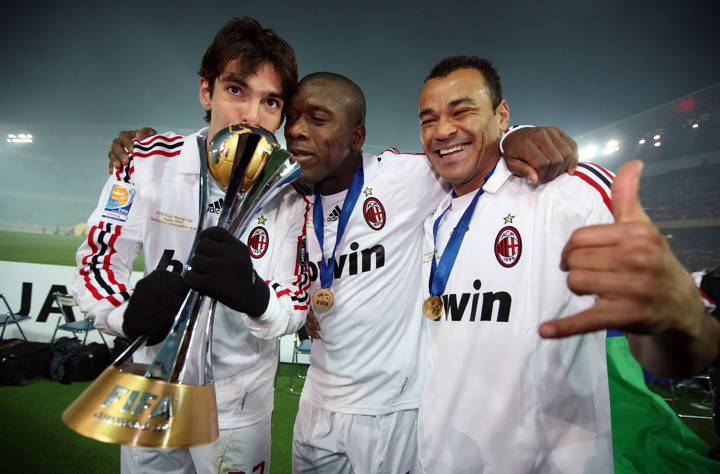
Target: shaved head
{"type": "Point", "coordinates": [347, 95]}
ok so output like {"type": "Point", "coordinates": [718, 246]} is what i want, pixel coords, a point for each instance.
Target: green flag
{"type": "Point", "coordinates": [647, 434]}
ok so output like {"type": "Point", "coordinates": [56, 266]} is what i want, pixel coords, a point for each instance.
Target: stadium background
{"type": "Point", "coordinates": [641, 82]}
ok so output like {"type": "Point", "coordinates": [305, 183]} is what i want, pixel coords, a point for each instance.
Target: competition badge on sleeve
{"type": "Point", "coordinates": [323, 299]}
{"type": "Point", "coordinates": [440, 270]}
{"type": "Point", "coordinates": [119, 202]}
{"type": "Point", "coordinates": [171, 402]}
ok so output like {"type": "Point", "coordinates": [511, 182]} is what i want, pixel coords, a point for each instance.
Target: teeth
{"type": "Point", "coordinates": [445, 151]}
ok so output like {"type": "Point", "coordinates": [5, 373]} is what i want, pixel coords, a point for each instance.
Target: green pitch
{"type": "Point", "coordinates": [35, 440]}
{"type": "Point", "coordinates": [44, 248]}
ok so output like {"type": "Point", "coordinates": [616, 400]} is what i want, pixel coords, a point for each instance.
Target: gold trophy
{"type": "Point", "coordinates": [171, 402]}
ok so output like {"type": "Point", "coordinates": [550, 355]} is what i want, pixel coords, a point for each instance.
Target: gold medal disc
{"type": "Point", "coordinates": [433, 308]}
{"type": "Point", "coordinates": [322, 300]}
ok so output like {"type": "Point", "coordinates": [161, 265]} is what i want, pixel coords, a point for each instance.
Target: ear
{"type": "Point", "coordinates": [205, 95]}
{"type": "Point", "coordinates": [502, 115]}
{"type": "Point", "coordinates": [358, 138]}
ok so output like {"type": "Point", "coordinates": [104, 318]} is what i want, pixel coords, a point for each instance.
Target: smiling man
{"type": "Point", "coordinates": [497, 397]}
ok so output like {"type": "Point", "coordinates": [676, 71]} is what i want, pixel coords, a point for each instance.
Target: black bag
{"type": "Point", "coordinates": [63, 349]}
{"type": "Point", "coordinates": [22, 361]}
{"type": "Point", "coordinates": [87, 363]}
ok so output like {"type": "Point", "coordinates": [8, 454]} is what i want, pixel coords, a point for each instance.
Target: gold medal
{"type": "Point", "coordinates": [433, 308]}
{"type": "Point", "coordinates": [322, 300]}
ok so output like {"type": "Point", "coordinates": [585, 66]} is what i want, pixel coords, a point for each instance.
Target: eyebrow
{"type": "Point", "coordinates": [276, 96]}
{"type": "Point", "coordinates": [234, 78]}
{"type": "Point", "coordinates": [320, 108]}
{"type": "Point", "coordinates": [452, 103]}
{"type": "Point", "coordinates": [463, 100]}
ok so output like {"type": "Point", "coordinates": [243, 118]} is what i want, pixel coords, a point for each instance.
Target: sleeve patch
{"type": "Point", "coordinates": [119, 202]}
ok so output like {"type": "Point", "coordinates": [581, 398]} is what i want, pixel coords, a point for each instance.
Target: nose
{"type": "Point", "coordinates": [251, 113]}
{"type": "Point", "coordinates": [295, 129]}
{"type": "Point", "coordinates": [445, 129]}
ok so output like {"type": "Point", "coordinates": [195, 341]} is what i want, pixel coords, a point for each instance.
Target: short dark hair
{"type": "Point", "coordinates": [246, 40]}
{"type": "Point", "coordinates": [355, 105]}
{"type": "Point", "coordinates": [484, 66]}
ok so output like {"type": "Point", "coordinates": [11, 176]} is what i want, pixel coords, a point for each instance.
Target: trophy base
{"type": "Point", "coordinates": [122, 406]}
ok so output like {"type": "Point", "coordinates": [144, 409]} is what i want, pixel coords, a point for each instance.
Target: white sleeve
{"type": "Point", "coordinates": [288, 277]}
{"type": "Point", "coordinates": [510, 130]}
{"type": "Point", "coordinates": [416, 179]}
{"type": "Point", "coordinates": [590, 192]}
{"type": "Point", "coordinates": [101, 284]}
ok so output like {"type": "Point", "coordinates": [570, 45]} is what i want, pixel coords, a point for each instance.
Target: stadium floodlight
{"type": "Point", "coordinates": [19, 138]}
{"type": "Point", "coordinates": [641, 141]}
{"type": "Point", "coordinates": [657, 144]}
{"type": "Point", "coordinates": [656, 137]}
{"type": "Point", "coordinates": [696, 125]}
{"type": "Point", "coordinates": [611, 147]}
{"type": "Point", "coordinates": [589, 152]}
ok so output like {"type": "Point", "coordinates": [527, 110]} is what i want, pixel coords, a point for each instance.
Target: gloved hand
{"type": "Point", "coordinates": [153, 305]}
{"type": "Point", "coordinates": [221, 268]}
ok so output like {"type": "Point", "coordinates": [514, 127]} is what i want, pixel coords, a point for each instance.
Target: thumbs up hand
{"type": "Point", "coordinates": [641, 287]}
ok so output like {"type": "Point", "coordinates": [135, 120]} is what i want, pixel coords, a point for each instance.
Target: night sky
{"type": "Point", "coordinates": [81, 71]}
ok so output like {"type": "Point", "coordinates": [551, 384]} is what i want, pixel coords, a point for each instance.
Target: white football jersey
{"type": "Point", "coordinates": [367, 361]}
{"type": "Point", "coordinates": [497, 398]}
{"type": "Point", "coordinates": [153, 205]}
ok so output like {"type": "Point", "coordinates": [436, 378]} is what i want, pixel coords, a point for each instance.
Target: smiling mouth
{"type": "Point", "coordinates": [451, 150]}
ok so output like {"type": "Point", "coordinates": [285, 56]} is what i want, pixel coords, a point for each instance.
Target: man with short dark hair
{"type": "Point", "coordinates": [246, 76]}
{"type": "Point", "coordinates": [497, 397]}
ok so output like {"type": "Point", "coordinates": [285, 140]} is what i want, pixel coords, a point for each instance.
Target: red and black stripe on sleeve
{"type": "Point", "coordinates": [599, 178]}
{"type": "Point", "coordinates": [96, 266]}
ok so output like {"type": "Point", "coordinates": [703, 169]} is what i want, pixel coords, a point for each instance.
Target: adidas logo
{"type": "Point", "coordinates": [334, 214]}
{"type": "Point", "coordinates": [215, 207]}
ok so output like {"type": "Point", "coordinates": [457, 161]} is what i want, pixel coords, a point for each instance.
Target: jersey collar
{"type": "Point", "coordinates": [499, 177]}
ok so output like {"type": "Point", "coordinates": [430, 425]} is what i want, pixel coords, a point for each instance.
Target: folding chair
{"type": "Point", "coordinates": [81, 326]}
{"type": "Point", "coordinates": [11, 318]}
{"type": "Point", "coordinates": [300, 347]}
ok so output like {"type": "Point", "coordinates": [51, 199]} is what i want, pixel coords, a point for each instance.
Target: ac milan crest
{"type": "Point", "coordinates": [258, 242]}
{"type": "Point", "coordinates": [508, 246]}
{"type": "Point", "coordinates": [374, 213]}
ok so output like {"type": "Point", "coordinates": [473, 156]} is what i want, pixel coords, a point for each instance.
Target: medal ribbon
{"type": "Point", "coordinates": [440, 272]}
{"type": "Point", "coordinates": [327, 267]}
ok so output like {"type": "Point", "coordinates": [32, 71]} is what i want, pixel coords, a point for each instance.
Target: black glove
{"type": "Point", "coordinates": [153, 305]}
{"type": "Point", "coordinates": [221, 268]}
